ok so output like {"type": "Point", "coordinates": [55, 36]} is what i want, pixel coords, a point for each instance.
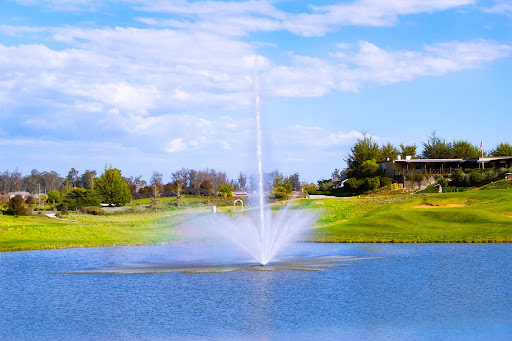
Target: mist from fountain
{"type": "Point", "coordinates": [259, 232]}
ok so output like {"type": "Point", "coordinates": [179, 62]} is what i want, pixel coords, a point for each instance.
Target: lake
{"type": "Point", "coordinates": [389, 292]}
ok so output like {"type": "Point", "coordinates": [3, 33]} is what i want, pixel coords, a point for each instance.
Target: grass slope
{"type": "Point", "coordinates": [474, 216]}
{"type": "Point", "coordinates": [40, 232]}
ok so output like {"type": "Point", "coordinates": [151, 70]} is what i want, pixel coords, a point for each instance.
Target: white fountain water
{"type": "Point", "coordinates": [259, 232]}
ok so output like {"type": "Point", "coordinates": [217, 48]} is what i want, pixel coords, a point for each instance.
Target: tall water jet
{"type": "Point", "coordinates": [260, 181]}
{"type": "Point", "coordinates": [259, 233]}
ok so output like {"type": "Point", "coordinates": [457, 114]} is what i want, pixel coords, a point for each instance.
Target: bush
{"type": "Point", "coordinates": [54, 196]}
{"type": "Point", "coordinates": [371, 183]}
{"type": "Point", "coordinates": [94, 210]}
{"type": "Point", "coordinates": [79, 197]}
{"type": "Point", "coordinates": [460, 179]}
{"type": "Point", "coordinates": [443, 182]}
{"type": "Point", "coordinates": [385, 181]}
{"type": "Point", "coordinates": [352, 184]}
{"type": "Point", "coordinates": [475, 177]}
{"type": "Point", "coordinates": [16, 206]}
{"type": "Point", "coordinates": [64, 210]}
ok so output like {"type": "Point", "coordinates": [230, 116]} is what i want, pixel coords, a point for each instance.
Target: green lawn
{"type": "Point", "coordinates": [474, 216]}
{"type": "Point", "coordinates": [36, 232]}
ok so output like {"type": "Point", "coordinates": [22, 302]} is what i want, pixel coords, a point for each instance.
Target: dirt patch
{"type": "Point", "coordinates": [440, 206]}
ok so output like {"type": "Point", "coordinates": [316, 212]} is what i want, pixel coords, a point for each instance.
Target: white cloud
{"type": "Point", "coordinates": [500, 7]}
{"type": "Point", "coordinates": [176, 145]}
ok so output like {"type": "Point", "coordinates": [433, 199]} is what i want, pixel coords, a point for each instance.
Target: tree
{"type": "Point", "coordinates": [156, 179]}
{"type": "Point", "coordinates": [502, 149]}
{"type": "Point", "coordinates": [72, 177]}
{"type": "Point", "coordinates": [54, 196]}
{"type": "Point", "coordinates": [295, 181]}
{"type": "Point", "coordinates": [436, 148]}
{"type": "Point", "coordinates": [81, 197]}
{"type": "Point", "coordinates": [368, 168]}
{"type": "Point", "coordinates": [111, 186]}
{"type": "Point", "coordinates": [225, 189]}
{"type": "Point", "coordinates": [207, 185]}
{"type": "Point", "coordinates": [408, 150]}
{"type": "Point", "coordinates": [364, 149]}
{"type": "Point", "coordinates": [242, 181]}
{"type": "Point", "coordinates": [87, 179]}
{"type": "Point", "coordinates": [388, 151]}
{"type": "Point", "coordinates": [463, 149]}
{"type": "Point", "coordinates": [16, 206]}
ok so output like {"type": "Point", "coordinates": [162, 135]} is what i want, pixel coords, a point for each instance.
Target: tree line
{"type": "Point", "coordinates": [190, 181]}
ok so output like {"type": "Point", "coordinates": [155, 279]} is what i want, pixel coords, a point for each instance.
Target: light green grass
{"type": "Point", "coordinates": [486, 217]}
{"type": "Point", "coordinates": [36, 232]}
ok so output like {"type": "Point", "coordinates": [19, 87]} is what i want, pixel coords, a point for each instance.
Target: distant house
{"type": "Point", "coordinates": [24, 195]}
{"type": "Point", "coordinates": [398, 169]}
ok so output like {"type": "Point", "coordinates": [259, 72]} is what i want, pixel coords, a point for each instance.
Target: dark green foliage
{"type": "Point", "coordinates": [371, 183]}
{"type": "Point", "coordinates": [408, 150]}
{"type": "Point", "coordinates": [436, 148]}
{"type": "Point", "coordinates": [80, 197]}
{"type": "Point", "coordinates": [326, 186]}
{"type": "Point", "coordinates": [16, 206]}
{"type": "Point", "coordinates": [367, 169]}
{"type": "Point", "coordinates": [53, 196]}
{"type": "Point", "coordinates": [459, 178]}
{"type": "Point", "coordinates": [443, 182]}
{"type": "Point", "coordinates": [364, 149]}
{"type": "Point", "coordinates": [388, 151]}
{"type": "Point", "coordinates": [502, 149]}
{"type": "Point", "coordinates": [475, 177]}
{"type": "Point", "coordinates": [353, 184]}
{"type": "Point", "coordinates": [385, 181]}
{"type": "Point", "coordinates": [111, 186]}
{"type": "Point", "coordinates": [464, 150]}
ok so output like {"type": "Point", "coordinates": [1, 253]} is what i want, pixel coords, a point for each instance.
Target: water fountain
{"type": "Point", "coordinates": [262, 235]}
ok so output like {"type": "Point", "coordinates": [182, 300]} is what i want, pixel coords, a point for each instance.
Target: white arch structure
{"type": "Point", "coordinates": [234, 204]}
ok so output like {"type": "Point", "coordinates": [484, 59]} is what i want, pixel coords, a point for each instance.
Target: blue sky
{"type": "Point", "coordinates": [160, 85]}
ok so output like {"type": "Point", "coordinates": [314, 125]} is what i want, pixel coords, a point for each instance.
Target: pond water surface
{"type": "Point", "coordinates": [396, 292]}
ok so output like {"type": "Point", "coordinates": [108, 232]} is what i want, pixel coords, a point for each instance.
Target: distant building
{"type": "Point", "coordinates": [398, 169]}
{"type": "Point", "coordinates": [24, 195]}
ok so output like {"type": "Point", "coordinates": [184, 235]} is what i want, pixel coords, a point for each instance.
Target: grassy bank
{"type": "Point", "coordinates": [474, 216]}
{"type": "Point", "coordinates": [41, 232]}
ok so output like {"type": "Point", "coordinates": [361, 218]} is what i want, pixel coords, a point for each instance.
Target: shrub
{"type": "Point", "coordinates": [460, 178]}
{"type": "Point", "coordinates": [443, 182]}
{"type": "Point", "coordinates": [54, 196]}
{"type": "Point", "coordinates": [385, 181]}
{"type": "Point", "coordinates": [353, 184]}
{"type": "Point", "coordinates": [64, 210]}
{"type": "Point", "coordinates": [475, 177]}
{"type": "Point", "coordinates": [78, 197]}
{"type": "Point", "coordinates": [94, 210]}
{"type": "Point", "coordinates": [16, 206]}
{"type": "Point", "coordinates": [371, 183]}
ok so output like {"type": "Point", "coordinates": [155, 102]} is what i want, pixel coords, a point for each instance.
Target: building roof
{"type": "Point", "coordinates": [473, 160]}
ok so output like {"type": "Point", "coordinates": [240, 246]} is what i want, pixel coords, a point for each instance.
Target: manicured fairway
{"type": "Point", "coordinates": [474, 216]}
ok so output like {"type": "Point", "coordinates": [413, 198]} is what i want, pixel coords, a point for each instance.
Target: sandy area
{"type": "Point", "coordinates": [440, 206]}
